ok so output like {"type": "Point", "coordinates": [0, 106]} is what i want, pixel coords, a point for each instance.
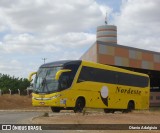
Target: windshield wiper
{"type": "Point", "coordinates": [81, 80]}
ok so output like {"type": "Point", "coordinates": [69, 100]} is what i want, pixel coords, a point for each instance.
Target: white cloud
{"type": "Point", "coordinates": [138, 24]}
{"type": "Point", "coordinates": [34, 29]}
{"type": "Point", "coordinates": [45, 16]}
{"type": "Point", "coordinates": [41, 24]}
{"type": "Point", "coordinates": [13, 67]}
{"type": "Point", "coordinates": [105, 9]}
{"type": "Point", "coordinates": [73, 39]}
{"type": "Point", "coordinates": [21, 43]}
{"type": "Point", "coordinates": [24, 43]}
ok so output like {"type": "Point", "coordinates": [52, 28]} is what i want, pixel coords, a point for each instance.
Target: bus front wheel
{"type": "Point", "coordinates": [80, 104]}
{"type": "Point", "coordinates": [55, 109]}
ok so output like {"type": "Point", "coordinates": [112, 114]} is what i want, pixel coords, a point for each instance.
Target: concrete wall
{"type": "Point", "coordinates": [91, 54]}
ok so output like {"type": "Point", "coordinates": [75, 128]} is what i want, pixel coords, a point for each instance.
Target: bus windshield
{"type": "Point", "coordinates": [45, 82]}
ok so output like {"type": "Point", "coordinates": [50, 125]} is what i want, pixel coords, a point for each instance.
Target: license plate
{"type": "Point", "coordinates": [42, 103]}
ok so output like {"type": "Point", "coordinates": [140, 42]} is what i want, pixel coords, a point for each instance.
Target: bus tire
{"type": "Point", "coordinates": [55, 109]}
{"type": "Point", "coordinates": [130, 107]}
{"type": "Point", "coordinates": [109, 110]}
{"type": "Point", "coordinates": [80, 104]}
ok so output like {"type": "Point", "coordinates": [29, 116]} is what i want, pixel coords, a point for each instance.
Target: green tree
{"type": "Point", "coordinates": [7, 82]}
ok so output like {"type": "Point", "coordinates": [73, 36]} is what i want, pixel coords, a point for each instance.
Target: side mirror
{"type": "Point", "coordinates": [30, 76]}
{"type": "Point", "coordinates": [58, 74]}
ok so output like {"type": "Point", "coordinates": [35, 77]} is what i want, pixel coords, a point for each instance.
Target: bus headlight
{"type": "Point", "coordinates": [56, 96]}
{"type": "Point", "coordinates": [50, 98]}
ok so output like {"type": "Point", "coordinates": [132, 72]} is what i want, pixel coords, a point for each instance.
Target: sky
{"type": "Point", "coordinates": [31, 30]}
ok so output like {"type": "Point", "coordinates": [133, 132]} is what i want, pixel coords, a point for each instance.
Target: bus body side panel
{"type": "Point", "coordinates": [145, 98]}
{"type": "Point", "coordinates": [116, 99]}
{"type": "Point", "coordinates": [91, 92]}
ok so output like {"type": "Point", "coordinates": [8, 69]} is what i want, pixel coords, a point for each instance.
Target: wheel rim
{"type": "Point", "coordinates": [55, 109]}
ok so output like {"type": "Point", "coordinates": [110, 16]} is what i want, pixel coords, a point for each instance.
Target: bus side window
{"type": "Point", "coordinates": [64, 81]}
{"type": "Point", "coordinates": [116, 78]}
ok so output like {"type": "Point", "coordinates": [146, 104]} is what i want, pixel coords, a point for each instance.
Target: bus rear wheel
{"type": "Point", "coordinates": [130, 107]}
{"type": "Point", "coordinates": [109, 110]}
{"type": "Point", "coordinates": [55, 109]}
{"type": "Point", "coordinates": [80, 104]}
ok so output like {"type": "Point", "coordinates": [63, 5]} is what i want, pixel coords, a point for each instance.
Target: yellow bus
{"type": "Point", "coordinates": [80, 84]}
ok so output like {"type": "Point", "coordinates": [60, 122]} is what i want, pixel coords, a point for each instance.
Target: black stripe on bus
{"type": "Point", "coordinates": [112, 77]}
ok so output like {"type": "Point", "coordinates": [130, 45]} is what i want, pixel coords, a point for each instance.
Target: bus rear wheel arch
{"type": "Point", "coordinates": [130, 107]}
{"type": "Point", "coordinates": [79, 105]}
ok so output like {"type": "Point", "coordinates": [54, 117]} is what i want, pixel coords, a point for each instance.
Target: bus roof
{"type": "Point", "coordinates": [90, 64]}
{"type": "Point", "coordinates": [61, 63]}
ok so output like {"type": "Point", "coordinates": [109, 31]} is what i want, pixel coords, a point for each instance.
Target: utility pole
{"type": "Point", "coordinates": [106, 21]}
{"type": "Point", "coordinates": [44, 59]}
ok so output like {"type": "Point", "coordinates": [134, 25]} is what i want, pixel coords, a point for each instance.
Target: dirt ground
{"type": "Point", "coordinates": [14, 102]}
{"type": "Point", "coordinates": [92, 117]}
{"type": "Point", "coordinates": [136, 117]}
